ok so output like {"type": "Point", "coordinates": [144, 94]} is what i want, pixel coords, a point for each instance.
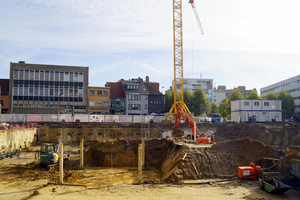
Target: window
{"type": "Point", "coordinates": [76, 77]}
{"type": "Point", "coordinates": [52, 76]}
{"type": "Point", "coordinates": [246, 103]}
{"type": "Point", "coordinates": [16, 73]}
{"type": "Point", "coordinates": [92, 92]}
{"type": "Point", "coordinates": [92, 103]}
{"type": "Point", "coordinates": [66, 76]}
{"type": "Point", "coordinates": [134, 97]}
{"type": "Point", "coordinates": [42, 75]}
{"type": "Point", "coordinates": [105, 103]}
{"type": "Point", "coordinates": [256, 103]}
{"type": "Point", "coordinates": [80, 92]}
{"type": "Point", "coordinates": [134, 106]}
{"type": "Point", "coordinates": [36, 74]}
{"type": "Point", "coordinates": [117, 104]}
{"type": "Point", "coordinates": [266, 103]}
{"type": "Point", "coordinates": [146, 97]}
{"type": "Point", "coordinates": [122, 104]}
{"type": "Point", "coordinates": [99, 103]}
{"type": "Point", "coordinates": [15, 90]}
{"type": "Point", "coordinates": [80, 77]}
{"type": "Point", "coordinates": [31, 74]}
{"type": "Point", "coordinates": [21, 74]}
{"type": "Point", "coordinates": [99, 92]}
{"type": "Point", "coordinates": [105, 93]}
{"type": "Point", "coordinates": [146, 107]}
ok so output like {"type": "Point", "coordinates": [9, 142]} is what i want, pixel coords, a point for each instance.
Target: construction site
{"type": "Point", "coordinates": [149, 159]}
{"type": "Point", "coordinates": [129, 161]}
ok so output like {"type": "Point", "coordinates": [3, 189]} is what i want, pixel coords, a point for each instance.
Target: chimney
{"type": "Point", "coordinates": [147, 79]}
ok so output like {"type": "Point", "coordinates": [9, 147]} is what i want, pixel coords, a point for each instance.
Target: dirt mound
{"type": "Point", "coordinates": [220, 161]}
{"type": "Point", "coordinates": [280, 136]}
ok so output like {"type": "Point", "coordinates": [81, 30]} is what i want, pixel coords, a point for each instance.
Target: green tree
{"type": "Point", "coordinates": [188, 99]}
{"type": "Point", "coordinates": [287, 103]}
{"type": "Point", "coordinates": [253, 95]}
{"type": "Point", "coordinates": [224, 108]}
{"type": "Point", "coordinates": [271, 95]}
{"type": "Point", "coordinates": [214, 107]}
{"type": "Point", "coordinates": [169, 100]}
{"type": "Point", "coordinates": [235, 95]}
{"type": "Point", "coordinates": [198, 100]}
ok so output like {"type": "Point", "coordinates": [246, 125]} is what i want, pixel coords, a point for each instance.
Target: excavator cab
{"type": "Point", "coordinates": [49, 153]}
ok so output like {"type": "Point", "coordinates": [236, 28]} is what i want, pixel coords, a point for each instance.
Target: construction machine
{"type": "Point", "coordinates": [177, 132]}
{"type": "Point", "coordinates": [49, 155]}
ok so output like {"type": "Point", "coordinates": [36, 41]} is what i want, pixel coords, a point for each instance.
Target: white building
{"type": "Point", "coordinates": [291, 85]}
{"type": "Point", "coordinates": [192, 83]}
{"type": "Point", "coordinates": [261, 109]}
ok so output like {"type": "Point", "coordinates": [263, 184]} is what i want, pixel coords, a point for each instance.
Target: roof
{"type": "Point", "coordinates": [116, 89]}
{"type": "Point", "coordinates": [152, 90]}
{"type": "Point", "coordinates": [154, 85]}
{"type": "Point", "coordinates": [141, 89]}
{"type": "Point", "coordinates": [4, 84]}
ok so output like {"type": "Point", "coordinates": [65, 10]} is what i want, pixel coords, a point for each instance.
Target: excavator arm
{"type": "Point", "coordinates": [180, 114]}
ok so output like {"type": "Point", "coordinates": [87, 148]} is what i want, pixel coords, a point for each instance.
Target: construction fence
{"type": "Point", "coordinates": [23, 118]}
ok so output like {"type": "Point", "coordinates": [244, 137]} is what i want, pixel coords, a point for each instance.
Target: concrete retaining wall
{"type": "Point", "coordinates": [11, 140]}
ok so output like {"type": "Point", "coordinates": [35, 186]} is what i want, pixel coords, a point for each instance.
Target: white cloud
{"type": "Point", "coordinates": [251, 43]}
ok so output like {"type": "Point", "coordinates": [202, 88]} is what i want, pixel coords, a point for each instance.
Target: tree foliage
{"type": "Point", "coordinates": [169, 100]}
{"type": "Point", "coordinates": [253, 95]}
{"type": "Point", "coordinates": [199, 100]}
{"type": "Point", "coordinates": [271, 95]}
{"type": "Point", "coordinates": [235, 95]}
{"type": "Point", "coordinates": [188, 99]}
{"type": "Point", "coordinates": [214, 108]}
{"type": "Point", "coordinates": [287, 103]}
{"type": "Point", "coordinates": [191, 100]}
{"type": "Point", "coordinates": [224, 108]}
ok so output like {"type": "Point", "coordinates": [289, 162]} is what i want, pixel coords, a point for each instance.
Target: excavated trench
{"type": "Point", "coordinates": [181, 159]}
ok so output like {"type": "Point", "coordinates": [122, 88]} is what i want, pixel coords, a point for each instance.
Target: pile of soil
{"type": "Point", "coordinates": [220, 161]}
{"type": "Point", "coordinates": [277, 135]}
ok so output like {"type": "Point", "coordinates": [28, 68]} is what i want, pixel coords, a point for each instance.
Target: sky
{"type": "Point", "coordinates": [252, 43]}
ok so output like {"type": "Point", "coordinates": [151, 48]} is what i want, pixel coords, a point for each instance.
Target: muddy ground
{"type": "Point", "coordinates": [167, 161]}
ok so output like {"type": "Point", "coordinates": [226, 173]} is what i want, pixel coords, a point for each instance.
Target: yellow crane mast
{"type": "Point", "coordinates": [178, 58]}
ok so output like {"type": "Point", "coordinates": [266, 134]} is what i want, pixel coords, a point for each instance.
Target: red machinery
{"type": "Point", "coordinates": [180, 114]}
{"type": "Point", "coordinates": [249, 170]}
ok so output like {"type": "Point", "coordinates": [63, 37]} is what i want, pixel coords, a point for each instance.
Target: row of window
{"type": "Point", "coordinates": [297, 98]}
{"type": "Point", "coordinates": [136, 106]}
{"type": "Point", "coordinates": [282, 86]}
{"type": "Point", "coordinates": [53, 83]}
{"type": "Point", "coordinates": [117, 104]}
{"type": "Point", "coordinates": [99, 103]}
{"type": "Point", "coordinates": [25, 74]}
{"type": "Point", "coordinates": [99, 93]}
{"type": "Point", "coordinates": [132, 87]}
{"type": "Point", "coordinates": [256, 103]}
{"type": "Point", "coordinates": [43, 98]}
{"type": "Point", "coordinates": [48, 91]}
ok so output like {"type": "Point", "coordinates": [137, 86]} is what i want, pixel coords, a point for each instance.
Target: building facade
{"type": "Point", "coordinates": [291, 85]}
{"type": "Point", "coordinates": [261, 109]}
{"type": "Point", "coordinates": [136, 97]}
{"type": "Point", "coordinates": [192, 83]}
{"type": "Point", "coordinates": [156, 100]}
{"type": "Point", "coordinates": [98, 98]}
{"type": "Point", "coordinates": [48, 89]}
{"type": "Point", "coordinates": [117, 98]}
{"type": "Point", "coordinates": [4, 95]}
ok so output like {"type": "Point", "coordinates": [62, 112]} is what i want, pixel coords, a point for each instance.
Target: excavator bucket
{"type": "Point", "coordinates": [178, 133]}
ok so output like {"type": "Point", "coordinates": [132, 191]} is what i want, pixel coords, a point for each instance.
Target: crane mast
{"type": "Point", "coordinates": [178, 61]}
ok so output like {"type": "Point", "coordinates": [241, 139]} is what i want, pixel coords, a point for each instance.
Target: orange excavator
{"type": "Point", "coordinates": [177, 132]}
